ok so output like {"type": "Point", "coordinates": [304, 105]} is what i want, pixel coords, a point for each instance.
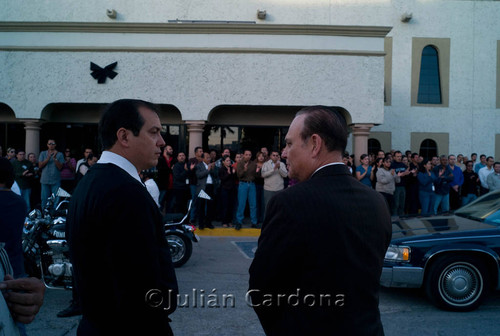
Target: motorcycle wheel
{"type": "Point", "coordinates": [180, 248]}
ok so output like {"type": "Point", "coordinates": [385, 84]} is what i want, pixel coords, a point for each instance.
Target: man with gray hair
{"type": "Point", "coordinates": [493, 179]}
{"type": "Point", "coordinates": [344, 227]}
{"type": "Point", "coordinates": [483, 175]}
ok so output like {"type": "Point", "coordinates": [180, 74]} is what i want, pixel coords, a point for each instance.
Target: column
{"type": "Point", "coordinates": [195, 132]}
{"type": "Point", "coordinates": [32, 144]}
{"type": "Point", "coordinates": [360, 133]}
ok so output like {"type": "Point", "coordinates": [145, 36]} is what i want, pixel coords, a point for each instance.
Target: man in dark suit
{"type": "Point", "coordinates": [205, 175]}
{"type": "Point", "coordinates": [121, 260]}
{"type": "Point", "coordinates": [317, 267]}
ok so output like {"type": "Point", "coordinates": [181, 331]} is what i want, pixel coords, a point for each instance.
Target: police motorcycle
{"type": "Point", "coordinates": [180, 235]}
{"type": "Point", "coordinates": [46, 252]}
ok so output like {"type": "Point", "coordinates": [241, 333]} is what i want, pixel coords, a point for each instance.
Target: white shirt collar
{"type": "Point", "coordinates": [328, 164]}
{"type": "Point", "coordinates": [120, 161]}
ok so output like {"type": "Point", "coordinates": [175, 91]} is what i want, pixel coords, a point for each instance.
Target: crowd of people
{"type": "Point", "coordinates": [239, 186]}
{"type": "Point", "coordinates": [37, 178]}
{"type": "Point", "coordinates": [412, 184]}
{"type": "Point", "coordinates": [231, 188]}
{"type": "Point", "coordinates": [220, 188]}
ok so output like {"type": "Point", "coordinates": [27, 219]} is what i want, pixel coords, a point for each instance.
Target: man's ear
{"type": "Point", "coordinates": [122, 136]}
{"type": "Point", "coordinates": [316, 144]}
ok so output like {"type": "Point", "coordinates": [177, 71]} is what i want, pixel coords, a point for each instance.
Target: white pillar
{"type": "Point", "coordinates": [32, 143]}
{"type": "Point", "coordinates": [195, 131]}
{"type": "Point", "coordinates": [360, 133]}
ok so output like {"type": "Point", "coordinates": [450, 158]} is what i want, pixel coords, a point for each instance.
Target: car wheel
{"type": "Point", "coordinates": [457, 283]}
{"type": "Point", "coordinates": [180, 248]}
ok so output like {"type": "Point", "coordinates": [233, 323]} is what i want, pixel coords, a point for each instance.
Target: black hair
{"type": "Point", "coordinates": [123, 113]}
{"type": "Point", "coordinates": [328, 123]}
{"type": "Point", "coordinates": [422, 168]}
{"type": "Point", "coordinates": [6, 173]}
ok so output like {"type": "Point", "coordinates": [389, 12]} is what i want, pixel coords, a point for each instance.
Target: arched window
{"type": "Point", "coordinates": [428, 149]}
{"type": "Point", "coordinates": [373, 146]}
{"type": "Point", "coordinates": [429, 85]}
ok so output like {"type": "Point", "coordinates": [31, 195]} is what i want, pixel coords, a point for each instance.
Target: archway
{"type": "Point", "coordinates": [373, 146]}
{"type": "Point", "coordinates": [428, 148]}
{"type": "Point", "coordinates": [251, 126]}
{"type": "Point", "coordinates": [75, 126]}
{"type": "Point", "coordinates": [11, 130]}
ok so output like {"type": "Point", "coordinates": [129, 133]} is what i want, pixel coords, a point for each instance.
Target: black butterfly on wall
{"type": "Point", "coordinates": [102, 73]}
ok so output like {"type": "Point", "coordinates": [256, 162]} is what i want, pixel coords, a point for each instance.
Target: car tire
{"type": "Point", "coordinates": [181, 248]}
{"type": "Point", "coordinates": [457, 282]}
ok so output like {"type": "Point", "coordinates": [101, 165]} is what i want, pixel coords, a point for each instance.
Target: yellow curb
{"type": "Point", "coordinates": [228, 232]}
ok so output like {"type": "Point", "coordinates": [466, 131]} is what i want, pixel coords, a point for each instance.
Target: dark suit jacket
{"type": "Point", "coordinates": [202, 175]}
{"type": "Point", "coordinates": [324, 236]}
{"type": "Point", "coordinates": [119, 254]}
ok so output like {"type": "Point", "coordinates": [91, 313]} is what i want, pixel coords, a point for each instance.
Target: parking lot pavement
{"type": "Point", "coordinates": [219, 265]}
{"type": "Point", "coordinates": [46, 323]}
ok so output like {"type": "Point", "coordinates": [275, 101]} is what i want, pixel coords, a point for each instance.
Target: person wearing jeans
{"type": "Point", "coordinates": [246, 171]}
{"type": "Point", "coordinates": [426, 180]}
{"type": "Point", "coordinates": [50, 163]}
{"type": "Point", "coordinates": [444, 176]}
{"type": "Point", "coordinates": [246, 190]}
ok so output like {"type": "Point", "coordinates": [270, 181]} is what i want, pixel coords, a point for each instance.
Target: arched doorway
{"type": "Point", "coordinates": [75, 126]}
{"type": "Point", "coordinates": [251, 127]}
{"type": "Point", "coordinates": [11, 130]}
{"type": "Point", "coordinates": [241, 127]}
{"type": "Point", "coordinates": [373, 146]}
{"type": "Point", "coordinates": [428, 148]}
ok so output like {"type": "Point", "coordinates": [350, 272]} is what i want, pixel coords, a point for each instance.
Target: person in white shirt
{"type": "Point", "coordinates": [483, 175]}
{"type": "Point", "coordinates": [205, 181]}
{"type": "Point", "coordinates": [85, 157]}
{"type": "Point", "coordinates": [274, 172]}
{"type": "Point", "coordinates": [147, 178]}
{"type": "Point", "coordinates": [493, 179]}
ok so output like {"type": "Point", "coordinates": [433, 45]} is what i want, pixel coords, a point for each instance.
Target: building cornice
{"type": "Point", "coordinates": [195, 50]}
{"type": "Point", "coordinates": [195, 28]}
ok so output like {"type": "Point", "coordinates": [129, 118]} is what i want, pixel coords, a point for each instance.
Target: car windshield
{"type": "Point", "coordinates": [485, 209]}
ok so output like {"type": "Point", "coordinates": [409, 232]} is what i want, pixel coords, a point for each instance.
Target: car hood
{"type": "Point", "coordinates": [415, 226]}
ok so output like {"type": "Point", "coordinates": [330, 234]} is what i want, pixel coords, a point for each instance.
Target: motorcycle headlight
{"type": "Point", "coordinates": [397, 253]}
{"type": "Point", "coordinates": [189, 228]}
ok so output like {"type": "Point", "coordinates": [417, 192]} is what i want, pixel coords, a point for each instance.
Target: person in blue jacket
{"type": "Point", "coordinates": [426, 180]}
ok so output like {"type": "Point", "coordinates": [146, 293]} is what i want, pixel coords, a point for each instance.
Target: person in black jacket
{"type": "Point", "coordinates": [180, 184]}
{"type": "Point", "coordinates": [164, 178]}
{"type": "Point", "coordinates": [444, 176]}
{"type": "Point", "coordinates": [319, 258]}
{"type": "Point", "coordinates": [227, 176]}
{"type": "Point", "coordinates": [121, 259]}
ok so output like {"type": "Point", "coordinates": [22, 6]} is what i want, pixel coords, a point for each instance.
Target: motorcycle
{"type": "Point", "coordinates": [180, 236]}
{"type": "Point", "coordinates": [46, 252]}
